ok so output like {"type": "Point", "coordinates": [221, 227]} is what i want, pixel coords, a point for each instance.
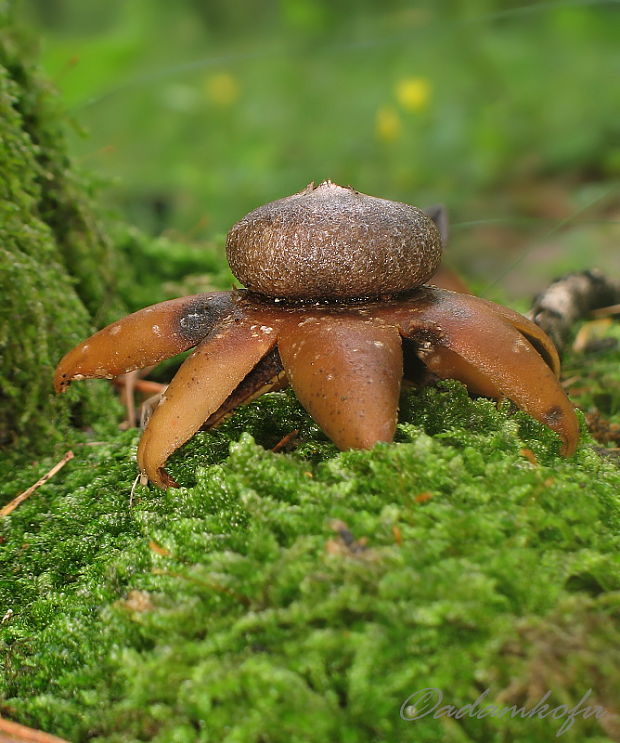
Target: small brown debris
{"type": "Point", "coordinates": [529, 455]}
{"type": "Point", "coordinates": [287, 440]}
{"type": "Point", "coordinates": [604, 431]}
{"type": "Point", "coordinates": [591, 335]}
{"type": "Point", "coordinates": [139, 601]}
{"type": "Point", "coordinates": [158, 549]}
{"type": "Point", "coordinates": [346, 545]}
{"type": "Point", "coordinates": [398, 537]}
{"type": "Point", "coordinates": [423, 497]}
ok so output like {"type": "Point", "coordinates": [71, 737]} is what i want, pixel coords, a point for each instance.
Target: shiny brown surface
{"type": "Point", "coordinates": [481, 344]}
{"type": "Point", "coordinates": [535, 335]}
{"type": "Point", "coordinates": [435, 308]}
{"type": "Point", "coordinates": [343, 360]}
{"type": "Point", "coordinates": [143, 338]}
{"type": "Point", "coordinates": [204, 381]}
{"type": "Point", "coordinates": [346, 371]}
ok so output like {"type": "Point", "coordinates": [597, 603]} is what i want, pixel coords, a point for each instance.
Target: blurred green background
{"type": "Point", "coordinates": [194, 112]}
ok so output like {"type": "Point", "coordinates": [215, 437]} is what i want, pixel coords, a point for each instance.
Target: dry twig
{"type": "Point", "coordinates": [12, 505]}
{"type": "Point", "coordinates": [613, 309]}
{"type": "Point", "coordinates": [285, 440]}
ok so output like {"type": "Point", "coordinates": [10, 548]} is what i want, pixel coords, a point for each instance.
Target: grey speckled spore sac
{"type": "Point", "coordinates": [330, 242]}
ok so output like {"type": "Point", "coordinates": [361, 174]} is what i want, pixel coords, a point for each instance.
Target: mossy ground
{"type": "Point", "coordinates": [303, 596]}
{"type": "Point", "coordinates": [58, 267]}
{"type": "Point", "coordinates": [62, 273]}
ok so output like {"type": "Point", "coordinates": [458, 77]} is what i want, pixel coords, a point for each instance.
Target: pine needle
{"type": "Point", "coordinates": [12, 505]}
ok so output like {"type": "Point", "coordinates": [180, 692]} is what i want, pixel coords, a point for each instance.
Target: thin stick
{"type": "Point", "coordinates": [131, 494]}
{"type": "Point", "coordinates": [13, 732]}
{"type": "Point", "coordinates": [285, 440]}
{"type": "Point", "coordinates": [130, 383]}
{"type": "Point", "coordinates": [12, 505]}
{"type": "Point", "coordinates": [614, 309]}
{"type": "Point", "coordinates": [145, 386]}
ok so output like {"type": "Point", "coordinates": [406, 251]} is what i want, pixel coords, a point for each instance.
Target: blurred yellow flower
{"type": "Point", "coordinates": [388, 126]}
{"type": "Point", "coordinates": [222, 88]}
{"type": "Point", "coordinates": [413, 93]}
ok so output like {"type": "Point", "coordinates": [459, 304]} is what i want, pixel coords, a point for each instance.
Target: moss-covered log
{"type": "Point", "coordinates": [57, 265]}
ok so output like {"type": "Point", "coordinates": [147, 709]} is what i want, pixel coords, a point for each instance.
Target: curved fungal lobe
{"type": "Point", "coordinates": [144, 338]}
{"type": "Point", "coordinates": [344, 362]}
{"type": "Point", "coordinates": [202, 385]}
{"type": "Point", "coordinates": [494, 351]}
{"type": "Point", "coordinates": [346, 371]}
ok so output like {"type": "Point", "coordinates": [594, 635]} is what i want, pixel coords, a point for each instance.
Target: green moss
{"type": "Point", "coordinates": [595, 376]}
{"type": "Point", "coordinates": [162, 268]}
{"type": "Point", "coordinates": [305, 596]}
{"type": "Point", "coordinates": [56, 279]}
{"type": "Point", "coordinates": [297, 596]}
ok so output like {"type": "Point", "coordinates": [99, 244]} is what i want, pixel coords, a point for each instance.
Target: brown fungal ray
{"type": "Point", "coordinates": [346, 371]}
{"type": "Point", "coordinates": [489, 352]}
{"type": "Point", "coordinates": [143, 338]}
{"type": "Point", "coordinates": [267, 376]}
{"type": "Point", "coordinates": [534, 333]}
{"type": "Point", "coordinates": [445, 278]}
{"type": "Point", "coordinates": [202, 384]}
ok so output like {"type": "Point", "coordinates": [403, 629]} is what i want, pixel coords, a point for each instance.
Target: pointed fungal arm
{"type": "Point", "coordinates": [491, 354]}
{"type": "Point", "coordinates": [267, 376]}
{"type": "Point", "coordinates": [346, 372]}
{"type": "Point", "coordinates": [202, 384]}
{"type": "Point", "coordinates": [534, 333]}
{"type": "Point", "coordinates": [144, 338]}
{"type": "Point", "coordinates": [438, 307]}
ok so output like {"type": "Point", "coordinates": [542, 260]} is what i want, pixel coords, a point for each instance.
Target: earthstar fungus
{"type": "Point", "coordinates": [335, 307]}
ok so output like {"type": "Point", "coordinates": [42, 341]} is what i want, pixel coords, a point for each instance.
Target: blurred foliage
{"type": "Point", "coordinates": [200, 111]}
